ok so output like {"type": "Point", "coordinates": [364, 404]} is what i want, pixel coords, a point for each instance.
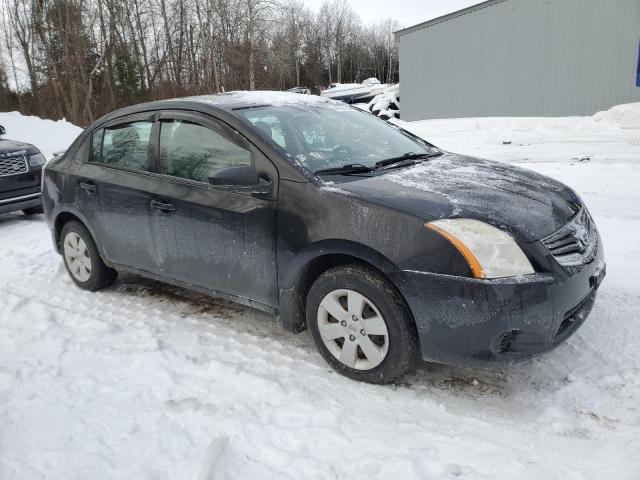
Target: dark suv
{"type": "Point", "coordinates": [386, 247]}
{"type": "Point", "coordinates": [20, 167]}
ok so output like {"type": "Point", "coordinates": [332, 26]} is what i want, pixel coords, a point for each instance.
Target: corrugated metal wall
{"type": "Point", "coordinates": [522, 58]}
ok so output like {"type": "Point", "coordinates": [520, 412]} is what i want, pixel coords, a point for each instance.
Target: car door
{"type": "Point", "coordinates": [115, 182]}
{"type": "Point", "coordinates": [216, 238]}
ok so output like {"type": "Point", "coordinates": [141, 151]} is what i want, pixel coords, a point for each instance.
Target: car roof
{"type": "Point", "coordinates": [229, 102]}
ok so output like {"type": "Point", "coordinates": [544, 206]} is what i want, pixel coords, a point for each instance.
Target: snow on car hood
{"type": "Point", "coordinates": [528, 205]}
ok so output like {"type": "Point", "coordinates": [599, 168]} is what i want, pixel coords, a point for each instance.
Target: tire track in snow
{"type": "Point", "coordinates": [136, 381]}
{"type": "Point", "coordinates": [265, 363]}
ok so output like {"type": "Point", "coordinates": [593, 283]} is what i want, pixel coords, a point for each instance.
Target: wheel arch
{"type": "Point", "coordinates": [312, 262]}
{"type": "Point", "coordinates": [65, 216]}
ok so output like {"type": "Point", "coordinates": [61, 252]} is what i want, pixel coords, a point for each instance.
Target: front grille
{"type": "Point", "coordinates": [13, 166]}
{"type": "Point", "coordinates": [576, 243]}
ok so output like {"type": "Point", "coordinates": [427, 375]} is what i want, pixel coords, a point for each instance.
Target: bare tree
{"type": "Point", "coordinates": [338, 20]}
{"type": "Point", "coordinates": [258, 14]}
{"type": "Point", "coordinates": [82, 58]}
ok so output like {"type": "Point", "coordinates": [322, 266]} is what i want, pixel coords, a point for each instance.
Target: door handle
{"type": "Point", "coordinates": [163, 206]}
{"type": "Point", "coordinates": [88, 187]}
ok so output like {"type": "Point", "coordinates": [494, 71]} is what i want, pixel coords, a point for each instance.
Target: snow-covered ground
{"type": "Point", "coordinates": [145, 381]}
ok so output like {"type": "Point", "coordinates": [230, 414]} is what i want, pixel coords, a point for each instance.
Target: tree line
{"type": "Point", "coordinates": [79, 59]}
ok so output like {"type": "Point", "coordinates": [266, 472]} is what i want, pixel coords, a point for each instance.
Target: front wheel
{"type": "Point", "coordinates": [82, 260]}
{"type": "Point", "coordinates": [361, 325]}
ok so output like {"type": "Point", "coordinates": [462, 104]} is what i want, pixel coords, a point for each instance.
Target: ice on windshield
{"type": "Point", "coordinates": [322, 136]}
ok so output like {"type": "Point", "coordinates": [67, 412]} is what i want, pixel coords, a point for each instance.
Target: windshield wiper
{"type": "Point", "coordinates": [406, 157]}
{"type": "Point", "coordinates": [345, 169]}
{"type": "Point", "coordinates": [353, 168]}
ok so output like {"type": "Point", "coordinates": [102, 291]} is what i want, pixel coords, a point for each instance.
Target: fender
{"type": "Point", "coordinates": [68, 209]}
{"type": "Point", "coordinates": [297, 274]}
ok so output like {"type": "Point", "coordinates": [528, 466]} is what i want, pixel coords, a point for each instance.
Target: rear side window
{"type": "Point", "coordinates": [194, 152]}
{"type": "Point", "coordinates": [123, 146]}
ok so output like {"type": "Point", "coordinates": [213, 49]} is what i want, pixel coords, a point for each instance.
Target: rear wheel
{"type": "Point", "coordinates": [81, 258]}
{"type": "Point", "coordinates": [361, 325]}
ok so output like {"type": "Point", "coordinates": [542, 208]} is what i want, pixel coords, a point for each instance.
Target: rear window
{"type": "Point", "coordinates": [123, 146]}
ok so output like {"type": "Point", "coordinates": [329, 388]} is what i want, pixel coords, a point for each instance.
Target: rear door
{"type": "Point", "coordinates": [117, 177]}
{"type": "Point", "coordinates": [215, 238]}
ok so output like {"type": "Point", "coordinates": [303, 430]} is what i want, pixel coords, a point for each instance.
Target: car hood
{"type": "Point", "coordinates": [528, 205]}
{"type": "Point", "coordinates": [9, 147]}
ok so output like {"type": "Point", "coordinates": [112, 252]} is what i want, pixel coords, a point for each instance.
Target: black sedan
{"type": "Point", "coordinates": [387, 248]}
{"type": "Point", "coordinates": [20, 166]}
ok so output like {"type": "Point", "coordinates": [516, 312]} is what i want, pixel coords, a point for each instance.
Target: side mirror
{"type": "Point", "coordinates": [241, 178]}
{"type": "Point", "coordinates": [2, 130]}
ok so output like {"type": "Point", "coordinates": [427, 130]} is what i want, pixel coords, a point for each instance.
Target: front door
{"type": "Point", "coordinates": [214, 238]}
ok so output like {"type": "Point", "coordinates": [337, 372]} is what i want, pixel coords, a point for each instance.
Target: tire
{"type": "Point", "coordinates": [32, 211]}
{"type": "Point", "coordinates": [380, 299]}
{"type": "Point", "coordinates": [88, 271]}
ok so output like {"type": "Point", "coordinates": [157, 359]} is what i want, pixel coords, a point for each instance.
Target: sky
{"type": "Point", "coordinates": [408, 12]}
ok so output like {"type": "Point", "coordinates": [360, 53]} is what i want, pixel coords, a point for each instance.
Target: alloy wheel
{"type": "Point", "coordinates": [353, 329]}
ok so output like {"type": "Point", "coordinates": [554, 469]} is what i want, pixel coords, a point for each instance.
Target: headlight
{"type": "Point", "coordinates": [36, 160]}
{"type": "Point", "coordinates": [490, 252]}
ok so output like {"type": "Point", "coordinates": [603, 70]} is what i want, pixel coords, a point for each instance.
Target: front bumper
{"type": "Point", "coordinates": [467, 322]}
{"type": "Point", "coordinates": [20, 203]}
{"type": "Point", "coordinates": [20, 191]}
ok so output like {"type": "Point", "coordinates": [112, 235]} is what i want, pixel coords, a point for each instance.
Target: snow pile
{"type": "Point", "coordinates": [47, 135]}
{"type": "Point", "coordinates": [552, 139]}
{"type": "Point", "coordinates": [144, 380]}
{"type": "Point", "coordinates": [622, 116]}
{"type": "Point", "coordinates": [387, 104]}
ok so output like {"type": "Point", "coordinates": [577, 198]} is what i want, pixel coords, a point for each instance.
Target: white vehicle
{"type": "Point", "coordinates": [354, 92]}
{"type": "Point", "coordinates": [300, 90]}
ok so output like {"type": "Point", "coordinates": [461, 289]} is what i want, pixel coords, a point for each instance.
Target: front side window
{"type": "Point", "coordinates": [123, 146]}
{"type": "Point", "coordinates": [271, 127]}
{"type": "Point", "coordinates": [194, 152]}
{"type": "Point", "coordinates": [329, 136]}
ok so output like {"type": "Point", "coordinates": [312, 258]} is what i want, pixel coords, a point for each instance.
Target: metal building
{"type": "Point", "coordinates": [522, 58]}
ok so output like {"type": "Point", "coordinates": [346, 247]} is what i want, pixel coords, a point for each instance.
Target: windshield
{"type": "Point", "coordinates": [331, 136]}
